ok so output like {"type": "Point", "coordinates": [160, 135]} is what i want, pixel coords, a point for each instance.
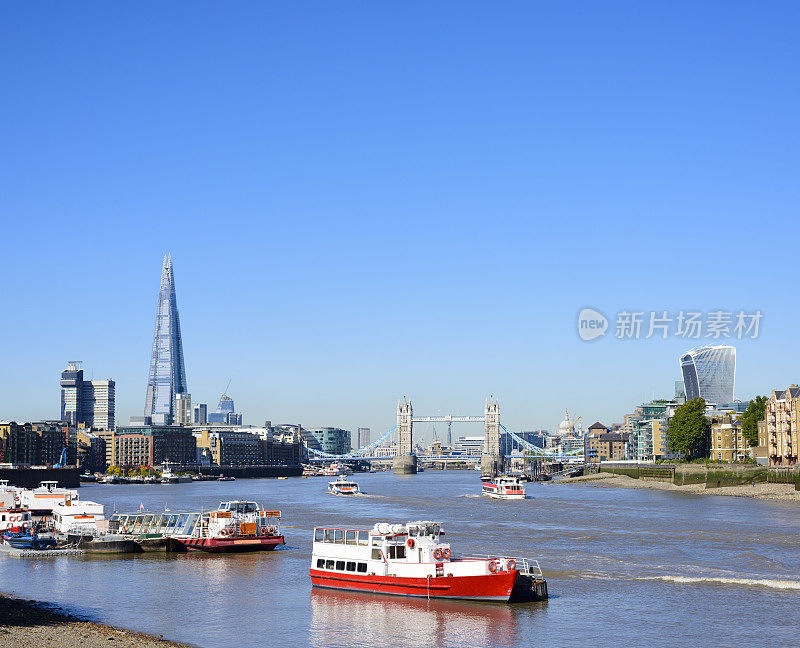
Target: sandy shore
{"type": "Point", "coordinates": [31, 624]}
{"type": "Point", "coordinates": [782, 492]}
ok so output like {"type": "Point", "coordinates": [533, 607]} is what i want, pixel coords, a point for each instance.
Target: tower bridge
{"type": "Point", "coordinates": [405, 461]}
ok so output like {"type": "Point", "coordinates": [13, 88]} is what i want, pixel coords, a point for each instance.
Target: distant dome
{"type": "Point", "coordinates": [565, 426]}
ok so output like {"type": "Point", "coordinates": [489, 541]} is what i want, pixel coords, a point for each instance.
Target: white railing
{"type": "Point", "coordinates": [526, 566]}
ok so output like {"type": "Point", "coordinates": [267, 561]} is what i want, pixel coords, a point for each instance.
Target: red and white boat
{"type": "Point", "coordinates": [412, 560]}
{"type": "Point", "coordinates": [234, 527]}
{"type": "Point", "coordinates": [503, 488]}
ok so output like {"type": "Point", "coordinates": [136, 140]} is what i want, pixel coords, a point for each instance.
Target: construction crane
{"type": "Point", "coordinates": [63, 460]}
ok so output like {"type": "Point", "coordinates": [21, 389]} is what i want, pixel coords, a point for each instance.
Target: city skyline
{"type": "Point", "coordinates": [420, 212]}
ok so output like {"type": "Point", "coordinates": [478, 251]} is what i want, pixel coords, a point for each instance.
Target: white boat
{"type": "Point", "coordinates": [40, 500]}
{"type": "Point", "coordinates": [80, 517]}
{"type": "Point", "coordinates": [169, 477]}
{"type": "Point", "coordinates": [343, 487]}
{"type": "Point", "coordinates": [334, 470]}
{"type": "Point", "coordinates": [503, 488]}
{"type": "Point", "coordinates": [414, 560]}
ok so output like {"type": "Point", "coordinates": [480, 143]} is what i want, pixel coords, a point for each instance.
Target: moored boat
{"type": "Point", "coordinates": [413, 560]}
{"type": "Point", "coordinates": [503, 488]}
{"type": "Point", "coordinates": [343, 486]}
{"type": "Point", "coordinates": [40, 500]}
{"type": "Point", "coordinates": [235, 526]}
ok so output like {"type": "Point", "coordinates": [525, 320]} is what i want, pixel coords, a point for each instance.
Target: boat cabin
{"type": "Point", "coordinates": [413, 549]}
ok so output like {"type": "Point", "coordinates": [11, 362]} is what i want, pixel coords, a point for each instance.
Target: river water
{"type": "Point", "coordinates": [624, 567]}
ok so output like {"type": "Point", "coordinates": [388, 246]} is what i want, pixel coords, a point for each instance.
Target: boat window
{"type": "Point", "coordinates": [320, 563]}
{"type": "Point", "coordinates": [412, 532]}
{"type": "Point", "coordinates": [397, 551]}
{"type": "Point", "coordinates": [250, 507]}
{"type": "Point", "coordinates": [436, 530]}
{"type": "Point", "coordinates": [351, 566]}
{"type": "Point", "coordinates": [362, 567]}
{"type": "Point", "coordinates": [377, 541]}
{"type": "Point", "coordinates": [340, 565]}
{"type": "Point", "coordinates": [328, 564]}
{"type": "Point", "coordinates": [350, 537]}
{"type": "Point", "coordinates": [363, 538]}
{"type": "Point", "coordinates": [328, 535]}
{"type": "Point", "coordinates": [376, 554]}
{"type": "Point", "coordinates": [319, 535]}
{"type": "Point", "coordinates": [338, 536]}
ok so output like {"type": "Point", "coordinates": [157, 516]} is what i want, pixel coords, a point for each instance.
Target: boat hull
{"type": "Point", "coordinates": [234, 544]}
{"type": "Point", "coordinates": [486, 587]}
{"type": "Point", "coordinates": [513, 496]}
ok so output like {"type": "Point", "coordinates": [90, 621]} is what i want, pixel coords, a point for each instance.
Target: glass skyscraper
{"type": "Point", "coordinates": [710, 372]}
{"type": "Point", "coordinates": [167, 374]}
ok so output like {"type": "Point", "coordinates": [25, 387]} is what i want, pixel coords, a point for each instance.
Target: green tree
{"type": "Point", "coordinates": [689, 430]}
{"type": "Point", "coordinates": [752, 415]}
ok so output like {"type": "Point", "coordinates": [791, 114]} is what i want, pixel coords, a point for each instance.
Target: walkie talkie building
{"type": "Point", "coordinates": [167, 373]}
{"type": "Point", "coordinates": [710, 372]}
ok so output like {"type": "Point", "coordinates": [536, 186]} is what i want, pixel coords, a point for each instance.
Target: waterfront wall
{"type": "Point", "coordinates": [32, 477]}
{"type": "Point", "coordinates": [712, 475]}
{"type": "Point", "coordinates": [243, 472]}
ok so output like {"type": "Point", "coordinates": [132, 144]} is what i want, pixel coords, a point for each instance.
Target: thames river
{"type": "Point", "coordinates": [624, 567]}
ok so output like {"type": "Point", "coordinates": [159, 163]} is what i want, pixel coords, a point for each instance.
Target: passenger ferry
{"type": "Point", "coordinates": [503, 488]}
{"type": "Point", "coordinates": [413, 560]}
{"type": "Point", "coordinates": [343, 487]}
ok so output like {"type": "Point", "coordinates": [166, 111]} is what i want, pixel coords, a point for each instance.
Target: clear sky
{"type": "Point", "coordinates": [366, 200]}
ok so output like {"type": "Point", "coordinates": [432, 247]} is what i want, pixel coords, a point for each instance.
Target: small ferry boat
{"type": "Point", "coordinates": [224, 478]}
{"type": "Point", "coordinates": [413, 560]}
{"type": "Point", "coordinates": [235, 526]}
{"type": "Point", "coordinates": [343, 487]}
{"type": "Point", "coordinates": [503, 488]}
{"type": "Point", "coordinates": [169, 477]}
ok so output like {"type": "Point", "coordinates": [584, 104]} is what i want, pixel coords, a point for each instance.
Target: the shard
{"type": "Point", "coordinates": [167, 373]}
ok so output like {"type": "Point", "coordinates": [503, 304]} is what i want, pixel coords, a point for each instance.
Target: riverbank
{"type": "Point", "coordinates": [781, 492]}
{"type": "Point", "coordinates": [32, 624]}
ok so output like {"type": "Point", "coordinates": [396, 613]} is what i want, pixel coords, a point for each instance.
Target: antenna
{"type": "Point", "coordinates": [225, 392]}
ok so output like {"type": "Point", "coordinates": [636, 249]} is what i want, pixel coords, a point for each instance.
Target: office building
{"type": "Point", "coordinates": [362, 437]}
{"type": "Point", "coordinates": [225, 413]}
{"type": "Point", "coordinates": [332, 440]}
{"type": "Point", "coordinates": [471, 446]}
{"type": "Point", "coordinates": [200, 414]}
{"type": "Point", "coordinates": [183, 409]}
{"type": "Point", "coordinates": [167, 376]}
{"type": "Point", "coordinates": [87, 402]}
{"type": "Point", "coordinates": [710, 373]}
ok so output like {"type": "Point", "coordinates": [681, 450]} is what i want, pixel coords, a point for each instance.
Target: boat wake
{"type": "Point", "coordinates": [746, 582]}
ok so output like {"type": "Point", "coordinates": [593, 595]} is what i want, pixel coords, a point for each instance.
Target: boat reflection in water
{"type": "Point", "coordinates": [341, 618]}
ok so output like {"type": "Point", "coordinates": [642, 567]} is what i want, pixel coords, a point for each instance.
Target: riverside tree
{"type": "Point", "coordinates": [752, 415]}
{"type": "Point", "coordinates": [689, 430]}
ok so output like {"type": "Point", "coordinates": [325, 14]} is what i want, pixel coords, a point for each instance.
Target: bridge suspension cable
{"type": "Point", "coordinates": [540, 452]}
{"type": "Point", "coordinates": [353, 454]}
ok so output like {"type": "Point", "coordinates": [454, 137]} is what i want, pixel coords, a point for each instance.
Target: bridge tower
{"type": "Point", "coordinates": [492, 461]}
{"type": "Point", "coordinates": [405, 463]}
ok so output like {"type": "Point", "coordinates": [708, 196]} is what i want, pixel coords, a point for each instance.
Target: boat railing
{"type": "Point", "coordinates": [526, 566]}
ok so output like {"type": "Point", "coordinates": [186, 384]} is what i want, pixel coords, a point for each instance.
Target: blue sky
{"type": "Point", "coordinates": [364, 201]}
